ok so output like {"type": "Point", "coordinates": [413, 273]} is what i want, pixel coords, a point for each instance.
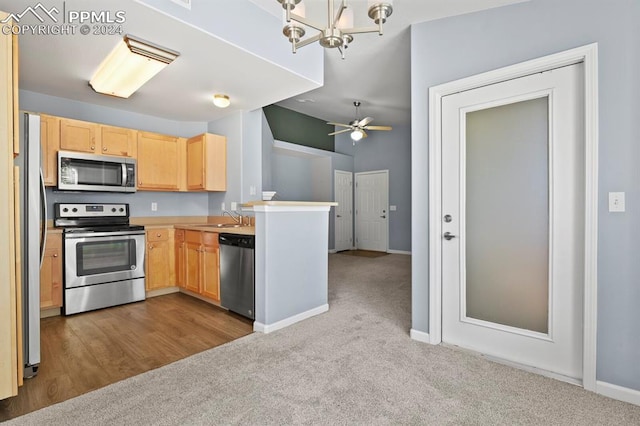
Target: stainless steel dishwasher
{"type": "Point", "coordinates": [237, 285]}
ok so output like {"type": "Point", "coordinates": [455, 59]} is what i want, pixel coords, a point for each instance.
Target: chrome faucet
{"type": "Point", "coordinates": [237, 219]}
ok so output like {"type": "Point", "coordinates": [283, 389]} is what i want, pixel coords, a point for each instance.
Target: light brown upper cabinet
{"type": "Point", "coordinates": [207, 163]}
{"type": "Point", "coordinates": [160, 162]}
{"type": "Point", "coordinates": [118, 141]}
{"type": "Point", "coordinates": [76, 135]}
{"type": "Point", "coordinates": [50, 144]}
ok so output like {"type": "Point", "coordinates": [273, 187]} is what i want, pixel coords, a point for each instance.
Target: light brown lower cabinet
{"type": "Point", "coordinates": [180, 248]}
{"type": "Point", "coordinates": [160, 271]}
{"type": "Point", "coordinates": [51, 273]}
{"type": "Point", "coordinates": [202, 265]}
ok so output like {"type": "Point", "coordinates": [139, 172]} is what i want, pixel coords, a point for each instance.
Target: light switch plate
{"type": "Point", "coordinates": [616, 202]}
{"type": "Point", "coordinates": [154, 207]}
{"type": "Point", "coordinates": [252, 190]}
{"type": "Point", "coordinates": [234, 206]}
{"type": "Point", "coordinates": [393, 208]}
{"type": "Point", "coordinates": [223, 207]}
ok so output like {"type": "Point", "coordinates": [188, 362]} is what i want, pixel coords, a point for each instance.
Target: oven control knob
{"type": "Point", "coordinates": [74, 210]}
{"type": "Point", "coordinates": [65, 209]}
{"type": "Point", "coordinates": [121, 209]}
{"type": "Point", "coordinates": [113, 209]}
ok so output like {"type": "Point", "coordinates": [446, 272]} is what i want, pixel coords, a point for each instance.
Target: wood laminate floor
{"type": "Point", "coordinates": [84, 352]}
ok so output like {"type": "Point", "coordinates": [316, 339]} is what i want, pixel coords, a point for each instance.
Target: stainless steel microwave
{"type": "Point", "coordinates": [89, 172]}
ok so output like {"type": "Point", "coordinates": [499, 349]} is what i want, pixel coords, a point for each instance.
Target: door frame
{"type": "Point", "coordinates": [588, 55]}
{"type": "Point", "coordinates": [335, 225]}
{"type": "Point", "coordinates": [355, 202]}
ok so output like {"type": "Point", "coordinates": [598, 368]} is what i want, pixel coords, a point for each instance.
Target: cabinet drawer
{"type": "Point", "coordinates": [158, 235]}
{"type": "Point", "coordinates": [179, 235]}
{"type": "Point", "coordinates": [210, 239]}
{"type": "Point", "coordinates": [193, 237]}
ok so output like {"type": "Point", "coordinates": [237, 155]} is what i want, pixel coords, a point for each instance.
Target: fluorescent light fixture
{"type": "Point", "coordinates": [357, 134]}
{"type": "Point", "coordinates": [221, 101]}
{"type": "Point", "coordinates": [130, 64]}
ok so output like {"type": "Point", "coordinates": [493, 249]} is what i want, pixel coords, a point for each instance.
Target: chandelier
{"type": "Point", "coordinates": [339, 29]}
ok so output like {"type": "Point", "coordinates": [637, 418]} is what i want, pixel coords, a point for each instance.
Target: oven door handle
{"type": "Point", "coordinates": [69, 235]}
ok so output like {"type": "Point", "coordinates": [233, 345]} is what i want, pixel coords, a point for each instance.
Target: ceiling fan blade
{"type": "Point", "coordinates": [365, 121]}
{"type": "Point", "coordinates": [339, 124]}
{"type": "Point", "coordinates": [364, 134]}
{"type": "Point", "coordinates": [378, 127]}
{"type": "Point", "coordinates": [339, 131]}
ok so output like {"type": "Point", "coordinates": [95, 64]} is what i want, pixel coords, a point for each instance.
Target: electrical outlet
{"type": "Point", "coordinates": [616, 202]}
{"type": "Point", "coordinates": [154, 207]}
{"type": "Point", "coordinates": [252, 190]}
{"type": "Point", "coordinates": [223, 207]}
{"type": "Point", "coordinates": [234, 206]}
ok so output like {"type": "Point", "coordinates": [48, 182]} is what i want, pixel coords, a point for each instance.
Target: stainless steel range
{"type": "Point", "coordinates": [103, 256]}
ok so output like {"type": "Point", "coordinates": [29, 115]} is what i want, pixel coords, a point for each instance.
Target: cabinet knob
{"type": "Point", "coordinates": [104, 148]}
{"type": "Point", "coordinates": [150, 247]}
{"type": "Point", "coordinates": [93, 148]}
{"type": "Point", "coordinates": [55, 254]}
{"type": "Point", "coordinates": [158, 235]}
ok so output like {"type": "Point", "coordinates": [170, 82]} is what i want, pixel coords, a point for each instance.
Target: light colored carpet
{"type": "Point", "coordinates": [352, 365]}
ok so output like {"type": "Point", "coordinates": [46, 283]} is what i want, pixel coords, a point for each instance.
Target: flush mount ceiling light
{"type": "Point", "coordinates": [337, 32]}
{"type": "Point", "coordinates": [221, 101]}
{"type": "Point", "coordinates": [130, 64]}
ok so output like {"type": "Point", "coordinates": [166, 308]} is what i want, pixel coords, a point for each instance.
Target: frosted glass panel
{"type": "Point", "coordinates": [507, 215]}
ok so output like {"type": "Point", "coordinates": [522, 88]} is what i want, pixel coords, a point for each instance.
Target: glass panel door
{"type": "Point", "coordinates": [100, 257]}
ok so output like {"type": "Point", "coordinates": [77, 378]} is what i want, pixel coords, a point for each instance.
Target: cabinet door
{"type": "Point", "coordinates": [195, 163]}
{"type": "Point", "coordinates": [211, 272]}
{"type": "Point", "coordinates": [118, 141]}
{"type": "Point", "coordinates": [158, 162]}
{"type": "Point", "coordinates": [50, 145]}
{"type": "Point", "coordinates": [76, 135]}
{"type": "Point", "coordinates": [158, 265]}
{"type": "Point", "coordinates": [207, 163]}
{"type": "Point", "coordinates": [192, 264]}
{"type": "Point", "coordinates": [51, 273]}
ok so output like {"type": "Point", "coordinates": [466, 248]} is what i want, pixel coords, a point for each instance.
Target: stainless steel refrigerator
{"type": "Point", "coordinates": [33, 208]}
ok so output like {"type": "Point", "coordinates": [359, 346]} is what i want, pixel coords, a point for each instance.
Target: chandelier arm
{"type": "Point", "coordinates": [360, 30]}
{"type": "Point", "coordinates": [341, 9]}
{"type": "Point", "coordinates": [303, 43]}
{"type": "Point", "coordinates": [304, 21]}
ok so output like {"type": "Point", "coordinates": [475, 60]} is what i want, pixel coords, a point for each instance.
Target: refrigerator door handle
{"type": "Point", "coordinates": [43, 204]}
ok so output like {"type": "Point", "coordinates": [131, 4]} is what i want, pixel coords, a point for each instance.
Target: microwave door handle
{"type": "Point", "coordinates": [124, 174]}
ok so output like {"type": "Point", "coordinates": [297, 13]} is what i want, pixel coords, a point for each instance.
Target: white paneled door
{"type": "Point", "coordinates": [513, 227]}
{"type": "Point", "coordinates": [343, 190]}
{"type": "Point", "coordinates": [372, 210]}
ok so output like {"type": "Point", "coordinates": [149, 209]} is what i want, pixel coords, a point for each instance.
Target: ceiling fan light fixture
{"type": "Point", "coordinates": [129, 66]}
{"type": "Point", "coordinates": [356, 135]}
{"type": "Point", "coordinates": [221, 101]}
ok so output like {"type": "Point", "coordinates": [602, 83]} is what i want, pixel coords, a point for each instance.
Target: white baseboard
{"type": "Point", "coordinates": [269, 328]}
{"type": "Point", "coordinates": [419, 336]}
{"type": "Point", "coordinates": [332, 251]}
{"type": "Point", "coordinates": [399, 252]}
{"type": "Point", "coordinates": [620, 393]}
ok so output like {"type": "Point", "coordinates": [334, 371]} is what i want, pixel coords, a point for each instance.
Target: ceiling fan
{"type": "Point", "coordinates": [357, 127]}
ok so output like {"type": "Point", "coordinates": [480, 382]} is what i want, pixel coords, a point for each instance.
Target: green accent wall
{"type": "Point", "coordinates": [301, 129]}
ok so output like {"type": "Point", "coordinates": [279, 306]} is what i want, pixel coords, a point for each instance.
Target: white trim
{"type": "Point", "coordinates": [399, 252]}
{"type": "Point", "coordinates": [269, 328]}
{"type": "Point", "coordinates": [419, 336]}
{"type": "Point", "coordinates": [332, 251]}
{"type": "Point", "coordinates": [620, 393]}
{"type": "Point", "coordinates": [287, 209]}
{"type": "Point", "coordinates": [589, 56]}
{"type": "Point", "coordinates": [534, 370]}
{"type": "Point", "coordinates": [355, 203]}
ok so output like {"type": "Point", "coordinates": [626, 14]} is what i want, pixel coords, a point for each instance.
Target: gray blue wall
{"type": "Point", "coordinates": [387, 151]}
{"type": "Point", "coordinates": [453, 48]}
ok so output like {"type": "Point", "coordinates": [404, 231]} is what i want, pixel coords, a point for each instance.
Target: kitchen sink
{"type": "Point", "coordinates": [223, 225]}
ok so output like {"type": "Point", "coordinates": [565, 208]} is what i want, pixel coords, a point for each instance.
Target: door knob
{"type": "Point", "coordinates": [339, 216]}
{"type": "Point", "coordinates": [383, 216]}
{"type": "Point", "coordinates": [448, 236]}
